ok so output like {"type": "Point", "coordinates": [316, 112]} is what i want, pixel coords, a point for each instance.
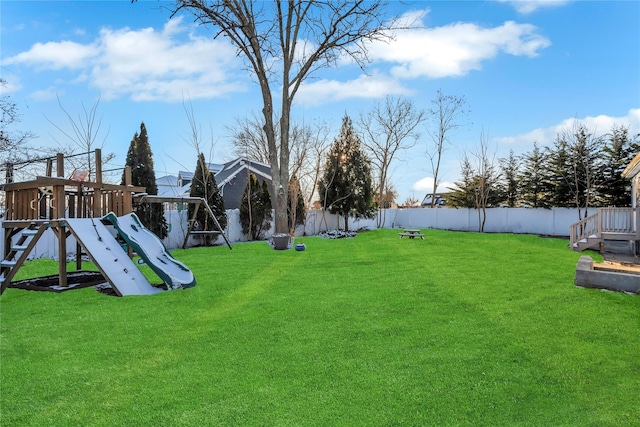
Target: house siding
{"type": "Point", "coordinates": [232, 190]}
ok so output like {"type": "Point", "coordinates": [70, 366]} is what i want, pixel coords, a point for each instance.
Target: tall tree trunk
{"type": "Point", "coordinates": [381, 185]}
{"type": "Point", "coordinates": [279, 170]}
{"type": "Point", "coordinates": [436, 172]}
{"type": "Point", "coordinates": [346, 222]}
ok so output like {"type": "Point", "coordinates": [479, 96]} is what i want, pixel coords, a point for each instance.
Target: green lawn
{"type": "Point", "coordinates": [458, 329]}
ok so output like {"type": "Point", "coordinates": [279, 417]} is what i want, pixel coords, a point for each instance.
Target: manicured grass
{"type": "Point", "coordinates": [458, 329]}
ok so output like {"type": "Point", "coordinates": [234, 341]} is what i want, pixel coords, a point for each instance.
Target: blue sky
{"type": "Point", "coordinates": [527, 69]}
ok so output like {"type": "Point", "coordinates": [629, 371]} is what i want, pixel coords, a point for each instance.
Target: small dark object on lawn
{"type": "Point", "coordinates": [300, 247]}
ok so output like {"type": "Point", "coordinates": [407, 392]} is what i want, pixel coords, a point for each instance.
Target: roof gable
{"type": "Point", "coordinates": [231, 169]}
{"type": "Point", "coordinates": [633, 168]}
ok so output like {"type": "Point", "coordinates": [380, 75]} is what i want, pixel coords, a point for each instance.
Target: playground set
{"type": "Point", "coordinates": [82, 208]}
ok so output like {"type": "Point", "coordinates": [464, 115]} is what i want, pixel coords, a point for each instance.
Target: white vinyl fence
{"type": "Point", "coordinates": [553, 222]}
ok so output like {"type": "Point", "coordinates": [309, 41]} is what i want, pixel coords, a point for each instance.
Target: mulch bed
{"type": "Point", "coordinates": [75, 280]}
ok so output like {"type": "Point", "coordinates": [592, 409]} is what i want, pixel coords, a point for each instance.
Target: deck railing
{"type": "Point", "coordinates": [48, 198]}
{"type": "Point", "coordinates": [605, 220]}
{"type": "Point", "coordinates": [616, 220]}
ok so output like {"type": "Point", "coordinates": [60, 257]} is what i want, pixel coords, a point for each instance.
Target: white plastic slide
{"type": "Point", "coordinates": [107, 254]}
{"type": "Point", "coordinates": [151, 249]}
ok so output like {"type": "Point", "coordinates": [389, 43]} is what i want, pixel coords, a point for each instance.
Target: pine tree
{"type": "Point", "coordinates": [534, 179]}
{"type": "Point", "coordinates": [131, 159]}
{"type": "Point", "coordinates": [463, 195]}
{"type": "Point", "coordinates": [255, 208]}
{"type": "Point", "coordinates": [346, 186]}
{"type": "Point", "coordinates": [585, 151]}
{"type": "Point", "coordinates": [140, 158]}
{"type": "Point", "coordinates": [560, 175]}
{"type": "Point", "coordinates": [509, 188]}
{"type": "Point", "coordinates": [204, 185]}
{"type": "Point", "coordinates": [617, 153]}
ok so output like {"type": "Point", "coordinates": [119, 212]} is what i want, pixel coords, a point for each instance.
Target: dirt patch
{"type": "Point", "coordinates": [75, 280]}
{"type": "Point", "coordinates": [619, 252]}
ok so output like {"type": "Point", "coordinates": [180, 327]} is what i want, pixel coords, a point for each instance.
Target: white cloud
{"type": "Point", "coordinates": [144, 64]}
{"type": "Point", "coordinates": [528, 6]}
{"type": "Point", "coordinates": [45, 94]}
{"type": "Point", "coordinates": [152, 66]}
{"type": "Point", "coordinates": [599, 125]}
{"type": "Point", "coordinates": [456, 49]}
{"type": "Point", "coordinates": [375, 85]}
{"type": "Point", "coordinates": [425, 185]}
{"type": "Point", "coordinates": [171, 63]}
{"type": "Point", "coordinates": [56, 55]}
{"type": "Point", "coordinates": [11, 84]}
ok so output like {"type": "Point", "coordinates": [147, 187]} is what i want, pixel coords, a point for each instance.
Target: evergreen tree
{"type": "Point", "coordinates": [131, 159]}
{"type": "Point", "coordinates": [509, 188]}
{"type": "Point", "coordinates": [255, 208]}
{"type": "Point", "coordinates": [534, 179]}
{"type": "Point", "coordinates": [618, 152]}
{"type": "Point", "coordinates": [140, 158]}
{"type": "Point", "coordinates": [586, 165]}
{"type": "Point", "coordinates": [463, 195]}
{"type": "Point", "coordinates": [346, 186]}
{"type": "Point", "coordinates": [204, 185]}
{"type": "Point", "coordinates": [479, 187]}
{"type": "Point", "coordinates": [575, 169]}
{"type": "Point", "coordinates": [560, 175]}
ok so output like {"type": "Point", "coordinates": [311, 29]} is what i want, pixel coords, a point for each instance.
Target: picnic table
{"type": "Point", "coordinates": [411, 233]}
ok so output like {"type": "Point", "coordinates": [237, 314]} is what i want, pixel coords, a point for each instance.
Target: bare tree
{"type": "Point", "coordinates": [18, 157]}
{"type": "Point", "coordinates": [308, 146]}
{"type": "Point", "coordinates": [195, 138]}
{"type": "Point", "coordinates": [388, 128]}
{"type": "Point", "coordinates": [445, 116]}
{"type": "Point", "coordinates": [283, 43]}
{"type": "Point", "coordinates": [12, 142]}
{"type": "Point", "coordinates": [248, 138]}
{"type": "Point", "coordinates": [485, 177]}
{"type": "Point", "coordinates": [308, 168]}
{"type": "Point", "coordinates": [83, 133]}
{"type": "Point", "coordinates": [318, 152]}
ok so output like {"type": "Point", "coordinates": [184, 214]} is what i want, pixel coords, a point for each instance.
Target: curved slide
{"type": "Point", "coordinates": [151, 249]}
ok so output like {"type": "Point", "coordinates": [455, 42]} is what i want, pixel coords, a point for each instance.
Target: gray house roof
{"type": "Point", "coordinates": [231, 169]}
{"type": "Point", "coordinates": [231, 178]}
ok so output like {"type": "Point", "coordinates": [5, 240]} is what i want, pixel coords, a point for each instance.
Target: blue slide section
{"type": "Point", "coordinates": [151, 249]}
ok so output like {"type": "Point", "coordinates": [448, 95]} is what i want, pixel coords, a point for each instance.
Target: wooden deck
{"type": "Point", "coordinates": [605, 224]}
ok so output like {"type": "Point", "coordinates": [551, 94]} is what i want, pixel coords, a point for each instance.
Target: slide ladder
{"type": "Point", "coordinates": [106, 253]}
{"type": "Point", "coordinates": [19, 252]}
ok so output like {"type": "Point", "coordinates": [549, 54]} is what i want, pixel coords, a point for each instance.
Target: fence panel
{"type": "Point", "coordinates": [554, 222]}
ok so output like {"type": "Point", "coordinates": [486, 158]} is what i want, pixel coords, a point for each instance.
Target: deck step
{"type": "Point", "coordinates": [8, 263]}
{"type": "Point", "coordinates": [19, 248]}
{"type": "Point", "coordinates": [29, 232]}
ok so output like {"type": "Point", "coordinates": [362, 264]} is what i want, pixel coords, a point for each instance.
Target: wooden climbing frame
{"type": "Point", "coordinates": [33, 206]}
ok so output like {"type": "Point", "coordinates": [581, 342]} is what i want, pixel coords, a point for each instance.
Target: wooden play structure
{"type": "Point", "coordinates": [31, 207]}
{"type": "Point", "coordinates": [70, 206]}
